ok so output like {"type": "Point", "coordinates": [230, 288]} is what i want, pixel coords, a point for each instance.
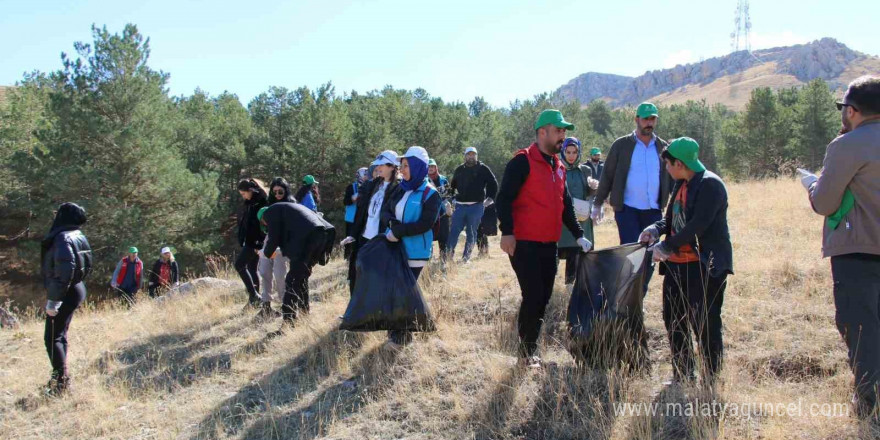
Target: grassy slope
{"type": "Point", "coordinates": [199, 368]}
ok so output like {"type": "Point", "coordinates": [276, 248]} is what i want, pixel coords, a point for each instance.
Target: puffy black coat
{"type": "Point", "coordinates": [66, 256]}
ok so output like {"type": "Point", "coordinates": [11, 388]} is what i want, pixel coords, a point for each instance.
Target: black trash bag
{"type": "Point", "coordinates": [606, 323]}
{"type": "Point", "coordinates": [386, 295]}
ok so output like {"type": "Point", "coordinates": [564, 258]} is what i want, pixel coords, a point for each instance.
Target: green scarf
{"type": "Point", "coordinates": [846, 205]}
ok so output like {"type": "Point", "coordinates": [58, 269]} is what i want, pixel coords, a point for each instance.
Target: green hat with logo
{"type": "Point", "coordinates": [309, 180]}
{"type": "Point", "coordinates": [646, 110]}
{"type": "Point", "coordinates": [132, 250]}
{"type": "Point", "coordinates": [432, 162]}
{"type": "Point", "coordinates": [554, 117]}
{"type": "Point", "coordinates": [594, 151]}
{"type": "Point", "coordinates": [687, 151]}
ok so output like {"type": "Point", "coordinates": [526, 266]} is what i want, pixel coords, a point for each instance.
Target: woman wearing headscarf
{"type": "Point", "coordinates": [308, 194]}
{"type": "Point", "coordinates": [582, 186]}
{"type": "Point", "coordinates": [350, 202]}
{"type": "Point", "coordinates": [250, 237]}
{"type": "Point", "coordinates": [165, 273]}
{"type": "Point", "coordinates": [409, 216]}
{"type": "Point", "coordinates": [369, 207]}
{"type": "Point", "coordinates": [66, 260]}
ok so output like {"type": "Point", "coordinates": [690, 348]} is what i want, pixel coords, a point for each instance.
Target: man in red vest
{"type": "Point", "coordinates": [127, 276]}
{"type": "Point", "coordinates": [532, 205]}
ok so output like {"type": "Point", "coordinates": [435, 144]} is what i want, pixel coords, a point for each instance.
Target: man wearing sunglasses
{"type": "Point", "coordinates": [848, 195]}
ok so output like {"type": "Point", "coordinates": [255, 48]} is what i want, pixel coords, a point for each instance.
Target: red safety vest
{"type": "Point", "coordinates": [537, 210]}
{"type": "Point", "coordinates": [138, 269]}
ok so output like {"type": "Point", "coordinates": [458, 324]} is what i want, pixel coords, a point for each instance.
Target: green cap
{"type": "Point", "coordinates": [646, 110]}
{"type": "Point", "coordinates": [309, 180]}
{"type": "Point", "coordinates": [260, 217]}
{"type": "Point", "coordinates": [432, 162]}
{"type": "Point", "coordinates": [551, 116]}
{"type": "Point", "coordinates": [687, 150]}
{"type": "Point", "coordinates": [132, 250]}
{"type": "Point", "coordinates": [594, 151]}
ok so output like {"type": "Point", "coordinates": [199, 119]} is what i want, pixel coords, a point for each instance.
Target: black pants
{"type": "Point", "coordinates": [572, 257]}
{"type": "Point", "coordinates": [404, 337]}
{"type": "Point", "coordinates": [442, 235]}
{"type": "Point", "coordinates": [535, 266]}
{"type": "Point", "coordinates": [482, 242]}
{"type": "Point", "coordinates": [296, 292]}
{"type": "Point", "coordinates": [246, 266]}
{"type": "Point", "coordinates": [857, 302]}
{"type": "Point", "coordinates": [692, 303]}
{"type": "Point", "coordinates": [349, 248]}
{"type": "Point", "coordinates": [55, 335]}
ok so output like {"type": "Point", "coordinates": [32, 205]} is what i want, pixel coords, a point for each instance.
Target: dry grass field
{"type": "Point", "coordinates": [198, 368]}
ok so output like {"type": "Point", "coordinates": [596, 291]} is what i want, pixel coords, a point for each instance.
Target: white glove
{"type": "Point", "coordinates": [584, 244]}
{"type": "Point", "coordinates": [449, 208]}
{"type": "Point", "coordinates": [807, 178]}
{"type": "Point", "coordinates": [52, 307]}
{"type": "Point", "coordinates": [661, 252]}
{"type": "Point", "coordinates": [488, 202]}
{"type": "Point", "coordinates": [592, 183]}
{"type": "Point", "coordinates": [596, 213]}
{"type": "Point", "coordinates": [346, 240]}
{"type": "Point", "coordinates": [650, 235]}
{"type": "Point", "coordinates": [390, 236]}
{"type": "Point", "coordinates": [113, 284]}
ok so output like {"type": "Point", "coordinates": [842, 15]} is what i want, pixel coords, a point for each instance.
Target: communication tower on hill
{"type": "Point", "coordinates": [739, 38]}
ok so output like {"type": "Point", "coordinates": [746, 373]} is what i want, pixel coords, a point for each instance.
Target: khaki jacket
{"type": "Point", "coordinates": [852, 161]}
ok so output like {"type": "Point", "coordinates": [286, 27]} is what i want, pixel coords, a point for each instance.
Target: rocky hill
{"type": "Point", "coordinates": [729, 79]}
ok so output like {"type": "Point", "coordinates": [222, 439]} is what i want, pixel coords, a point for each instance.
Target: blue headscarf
{"type": "Point", "coordinates": [418, 171]}
{"type": "Point", "coordinates": [565, 144]}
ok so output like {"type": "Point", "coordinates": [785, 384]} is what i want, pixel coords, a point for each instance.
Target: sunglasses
{"type": "Point", "coordinates": [841, 105]}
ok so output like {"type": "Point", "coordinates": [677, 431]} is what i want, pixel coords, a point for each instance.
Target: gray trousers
{"type": "Point", "coordinates": [272, 272]}
{"type": "Point", "coordinates": [857, 301]}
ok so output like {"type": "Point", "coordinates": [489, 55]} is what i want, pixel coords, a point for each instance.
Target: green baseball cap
{"type": "Point", "coordinates": [132, 250]}
{"type": "Point", "coordinates": [260, 217]}
{"type": "Point", "coordinates": [646, 110]}
{"type": "Point", "coordinates": [309, 180]}
{"type": "Point", "coordinates": [687, 150]}
{"type": "Point", "coordinates": [594, 151]}
{"type": "Point", "coordinates": [554, 117]}
{"type": "Point", "coordinates": [432, 162]}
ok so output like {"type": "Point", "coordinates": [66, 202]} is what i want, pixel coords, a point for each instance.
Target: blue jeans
{"type": "Point", "coordinates": [465, 217]}
{"type": "Point", "coordinates": [630, 224]}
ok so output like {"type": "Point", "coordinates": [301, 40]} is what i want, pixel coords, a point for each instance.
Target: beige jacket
{"type": "Point", "coordinates": [851, 161]}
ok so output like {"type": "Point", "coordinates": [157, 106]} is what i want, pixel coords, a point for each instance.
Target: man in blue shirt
{"type": "Point", "coordinates": [633, 181]}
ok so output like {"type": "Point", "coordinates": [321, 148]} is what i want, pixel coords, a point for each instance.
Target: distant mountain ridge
{"type": "Point", "coordinates": [727, 79]}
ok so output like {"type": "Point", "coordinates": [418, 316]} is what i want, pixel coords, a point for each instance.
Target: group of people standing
{"type": "Point", "coordinates": [547, 206]}
{"type": "Point", "coordinates": [127, 278]}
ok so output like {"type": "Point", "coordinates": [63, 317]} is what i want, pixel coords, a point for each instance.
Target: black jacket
{"type": "Point", "coordinates": [427, 218]}
{"type": "Point", "coordinates": [363, 204]}
{"type": "Point", "coordinates": [473, 184]}
{"type": "Point", "coordinates": [249, 232]}
{"type": "Point", "coordinates": [291, 227]}
{"type": "Point", "coordinates": [66, 257]}
{"type": "Point", "coordinates": [612, 183]}
{"type": "Point", "coordinates": [154, 275]}
{"type": "Point", "coordinates": [706, 227]}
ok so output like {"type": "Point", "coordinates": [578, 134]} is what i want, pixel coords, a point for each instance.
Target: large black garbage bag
{"type": "Point", "coordinates": [386, 295]}
{"type": "Point", "coordinates": [605, 317]}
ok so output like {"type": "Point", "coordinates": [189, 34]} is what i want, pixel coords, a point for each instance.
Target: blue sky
{"type": "Point", "coordinates": [501, 50]}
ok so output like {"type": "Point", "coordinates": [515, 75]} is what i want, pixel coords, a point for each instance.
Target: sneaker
{"type": "Point", "coordinates": [530, 362]}
{"type": "Point", "coordinates": [266, 311]}
{"type": "Point", "coordinates": [58, 386]}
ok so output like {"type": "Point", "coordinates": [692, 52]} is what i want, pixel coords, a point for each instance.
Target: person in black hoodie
{"type": "Point", "coordinates": [66, 259]}
{"type": "Point", "coordinates": [369, 208]}
{"type": "Point", "coordinates": [473, 186]}
{"type": "Point", "coordinates": [250, 237]}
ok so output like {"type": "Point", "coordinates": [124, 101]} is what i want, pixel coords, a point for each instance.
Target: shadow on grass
{"type": "Point", "coordinates": [287, 384]}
